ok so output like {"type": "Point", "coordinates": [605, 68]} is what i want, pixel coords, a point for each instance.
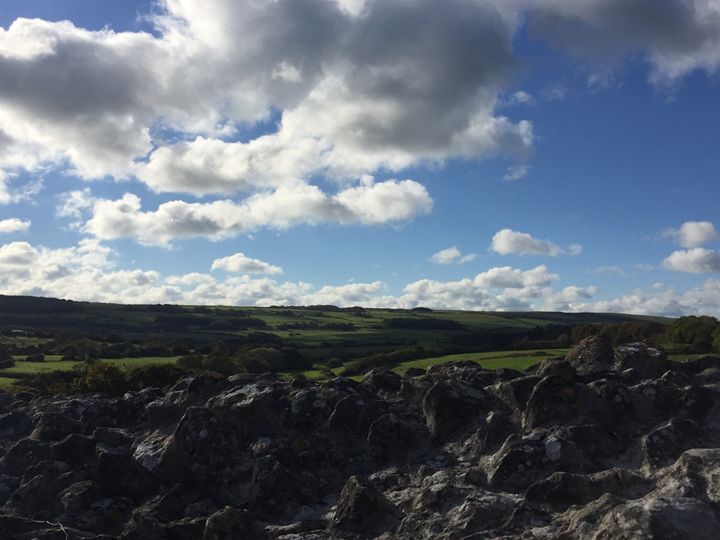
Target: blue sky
{"type": "Point", "coordinates": [483, 156]}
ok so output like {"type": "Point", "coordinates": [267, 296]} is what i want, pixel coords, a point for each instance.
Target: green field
{"type": "Point", "coordinates": [519, 360]}
{"type": "Point", "coordinates": [22, 369]}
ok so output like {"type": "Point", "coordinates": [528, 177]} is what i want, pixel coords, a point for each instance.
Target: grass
{"type": "Point", "coordinates": [129, 363]}
{"type": "Point", "coordinates": [6, 382]}
{"type": "Point", "coordinates": [520, 360]}
{"type": "Point", "coordinates": [31, 368]}
{"type": "Point", "coordinates": [25, 368]}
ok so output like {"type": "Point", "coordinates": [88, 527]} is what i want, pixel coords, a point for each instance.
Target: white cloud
{"type": "Point", "coordinates": [696, 260]}
{"type": "Point", "coordinates": [500, 288]}
{"type": "Point", "coordinates": [17, 254]}
{"type": "Point", "coordinates": [507, 241]}
{"type": "Point", "coordinates": [73, 204]}
{"type": "Point", "coordinates": [357, 91]}
{"type": "Point", "coordinates": [662, 300]}
{"type": "Point", "coordinates": [241, 263]}
{"type": "Point", "coordinates": [89, 271]}
{"type": "Point", "coordinates": [13, 225]}
{"type": "Point", "coordinates": [452, 255]}
{"type": "Point", "coordinates": [299, 203]}
{"type": "Point", "coordinates": [358, 88]}
{"type": "Point", "coordinates": [516, 172]}
{"type": "Point", "coordinates": [520, 97]}
{"type": "Point", "coordinates": [693, 233]}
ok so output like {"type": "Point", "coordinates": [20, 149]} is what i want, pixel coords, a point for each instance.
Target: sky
{"type": "Point", "coordinates": [465, 154]}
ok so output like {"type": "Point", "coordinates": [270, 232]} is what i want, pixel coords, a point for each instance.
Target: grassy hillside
{"type": "Point", "coordinates": [45, 335]}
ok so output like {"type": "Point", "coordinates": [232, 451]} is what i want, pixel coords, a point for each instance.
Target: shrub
{"type": "Point", "coordinates": [159, 376]}
{"type": "Point", "coordinates": [105, 378]}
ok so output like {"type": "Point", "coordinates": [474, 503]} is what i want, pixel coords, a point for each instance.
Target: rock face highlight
{"type": "Point", "coordinates": [603, 444]}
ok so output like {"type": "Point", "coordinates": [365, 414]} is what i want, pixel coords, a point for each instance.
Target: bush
{"type": "Point", "coordinates": [105, 378]}
{"type": "Point", "coordinates": [158, 376]}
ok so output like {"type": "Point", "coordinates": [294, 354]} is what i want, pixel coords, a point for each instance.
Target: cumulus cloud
{"type": "Point", "coordinates": [663, 300]}
{"type": "Point", "coordinates": [241, 263]}
{"type": "Point", "coordinates": [13, 225]}
{"type": "Point", "coordinates": [500, 288]}
{"type": "Point", "coordinates": [696, 261]}
{"type": "Point", "coordinates": [73, 204]}
{"type": "Point", "coordinates": [676, 36]}
{"type": "Point", "coordinates": [385, 85]}
{"type": "Point", "coordinates": [299, 203]}
{"type": "Point", "coordinates": [89, 271]}
{"type": "Point", "coordinates": [693, 233]}
{"type": "Point", "coordinates": [452, 255]}
{"type": "Point", "coordinates": [17, 254]}
{"type": "Point", "coordinates": [506, 277]}
{"type": "Point", "coordinates": [507, 241]}
{"type": "Point", "coordinates": [359, 86]}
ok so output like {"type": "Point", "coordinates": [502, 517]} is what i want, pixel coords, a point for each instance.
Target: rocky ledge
{"type": "Point", "coordinates": [604, 444]}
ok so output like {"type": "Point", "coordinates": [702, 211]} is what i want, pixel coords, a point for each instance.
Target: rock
{"type": "Point", "coordinates": [208, 445]}
{"type": "Point", "coordinates": [566, 489]}
{"type": "Point", "coordinates": [143, 526]}
{"type": "Point", "coordinates": [592, 355]}
{"type": "Point", "coordinates": [363, 510]}
{"type": "Point", "coordinates": [74, 449]}
{"type": "Point", "coordinates": [161, 455]}
{"type": "Point", "coordinates": [353, 415]}
{"type": "Point", "coordinates": [665, 443]}
{"type": "Point", "coordinates": [521, 461]}
{"type": "Point", "coordinates": [415, 372]}
{"type": "Point", "coordinates": [382, 380]}
{"type": "Point", "coordinates": [230, 523]}
{"type": "Point", "coordinates": [649, 362]}
{"type": "Point", "coordinates": [23, 454]}
{"type": "Point", "coordinates": [53, 426]}
{"type": "Point", "coordinates": [483, 511]}
{"type": "Point", "coordinates": [15, 424]}
{"type": "Point", "coordinates": [651, 518]}
{"type": "Point", "coordinates": [162, 411]}
{"type": "Point", "coordinates": [36, 499]}
{"type": "Point", "coordinates": [80, 496]}
{"type": "Point", "coordinates": [390, 438]}
{"type": "Point", "coordinates": [112, 437]}
{"type": "Point", "coordinates": [120, 475]}
{"type": "Point", "coordinates": [452, 406]}
{"type": "Point", "coordinates": [254, 408]}
{"type": "Point", "coordinates": [453, 452]}
{"type": "Point", "coordinates": [556, 366]}
{"type": "Point", "coordinates": [555, 400]}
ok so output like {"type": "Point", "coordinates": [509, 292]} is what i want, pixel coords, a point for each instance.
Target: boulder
{"type": "Point", "coordinates": [649, 362]}
{"type": "Point", "coordinates": [382, 380]}
{"type": "Point", "coordinates": [363, 510]}
{"type": "Point", "coordinates": [353, 415]}
{"type": "Point", "coordinates": [208, 445]}
{"type": "Point", "coordinates": [53, 426]}
{"type": "Point", "coordinates": [230, 523]}
{"type": "Point", "coordinates": [651, 518]}
{"type": "Point", "coordinates": [592, 355]}
{"type": "Point", "coordinates": [451, 407]}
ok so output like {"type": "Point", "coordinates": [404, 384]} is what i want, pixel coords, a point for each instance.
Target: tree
{"type": "Point", "coordinates": [697, 331]}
